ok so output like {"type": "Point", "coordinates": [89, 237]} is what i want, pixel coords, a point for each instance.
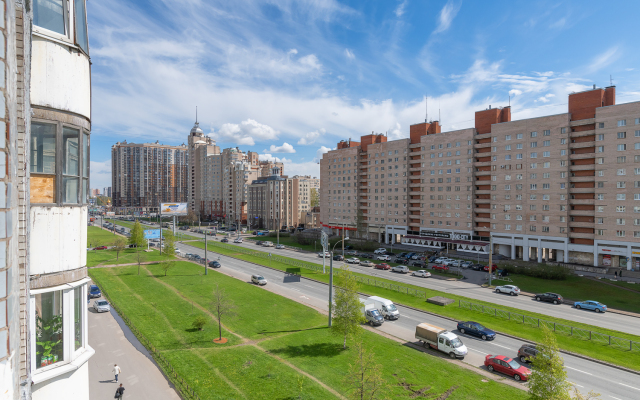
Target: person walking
{"type": "Point", "coordinates": [116, 371]}
{"type": "Point", "coordinates": [620, 273]}
{"type": "Point", "coordinates": [119, 392]}
{"type": "Point", "coordinates": [616, 273]}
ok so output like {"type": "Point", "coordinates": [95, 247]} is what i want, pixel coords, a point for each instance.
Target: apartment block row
{"type": "Point", "coordinates": [562, 187]}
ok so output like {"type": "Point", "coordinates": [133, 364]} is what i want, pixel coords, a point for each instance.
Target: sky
{"type": "Point", "coordinates": [289, 79]}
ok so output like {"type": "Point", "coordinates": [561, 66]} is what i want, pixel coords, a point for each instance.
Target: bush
{"type": "Point", "coordinates": [550, 272]}
{"type": "Point", "coordinates": [199, 322]}
{"type": "Point", "coordinates": [302, 240]}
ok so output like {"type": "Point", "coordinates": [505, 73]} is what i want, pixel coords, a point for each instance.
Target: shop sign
{"type": "Point", "coordinates": [608, 250]}
{"type": "Point", "coordinates": [454, 236]}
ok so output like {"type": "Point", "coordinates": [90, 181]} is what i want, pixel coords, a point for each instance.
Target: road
{"type": "Point", "coordinates": [586, 375]}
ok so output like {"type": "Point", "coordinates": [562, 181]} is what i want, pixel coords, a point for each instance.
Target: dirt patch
{"type": "Point", "coordinates": [220, 340]}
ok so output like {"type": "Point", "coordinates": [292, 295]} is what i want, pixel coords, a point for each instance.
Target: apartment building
{"type": "Point", "coordinates": [146, 174]}
{"type": "Point", "coordinates": [302, 190]}
{"type": "Point", "coordinates": [197, 140]}
{"type": "Point", "coordinates": [273, 202]}
{"type": "Point", "coordinates": [561, 187]}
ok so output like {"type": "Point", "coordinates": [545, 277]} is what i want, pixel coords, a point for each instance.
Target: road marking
{"type": "Point", "coordinates": [629, 386]}
{"type": "Point", "coordinates": [297, 290]}
{"type": "Point", "coordinates": [504, 347]}
{"type": "Point", "coordinates": [580, 371]}
{"type": "Point", "coordinates": [615, 398]}
{"type": "Point", "coordinates": [478, 351]}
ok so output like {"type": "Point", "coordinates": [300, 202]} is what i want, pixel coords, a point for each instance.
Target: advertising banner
{"type": "Point", "coordinates": [171, 209]}
{"type": "Point", "coordinates": [152, 233]}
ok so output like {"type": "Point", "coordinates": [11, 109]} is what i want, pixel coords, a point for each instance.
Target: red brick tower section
{"type": "Point", "coordinates": [416, 132]}
{"type": "Point", "coordinates": [482, 164]}
{"type": "Point", "coordinates": [582, 157]}
{"type": "Point", "coordinates": [363, 181]}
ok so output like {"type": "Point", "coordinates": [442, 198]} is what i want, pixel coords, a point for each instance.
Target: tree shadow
{"type": "Point", "coordinates": [311, 350]}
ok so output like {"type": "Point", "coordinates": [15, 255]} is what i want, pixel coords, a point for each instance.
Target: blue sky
{"type": "Point", "coordinates": [289, 79]}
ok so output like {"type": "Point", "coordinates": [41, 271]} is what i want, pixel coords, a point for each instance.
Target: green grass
{"type": "Point", "coordinates": [592, 349]}
{"type": "Point", "coordinates": [582, 288]}
{"type": "Point", "coordinates": [310, 351]}
{"type": "Point", "coordinates": [96, 236]}
{"type": "Point", "coordinates": [99, 237]}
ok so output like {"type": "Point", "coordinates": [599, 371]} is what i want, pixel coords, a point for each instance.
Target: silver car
{"type": "Point", "coordinates": [101, 306]}
{"type": "Point", "coordinates": [258, 279]}
{"type": "Point", "coordinates": [422, 273]}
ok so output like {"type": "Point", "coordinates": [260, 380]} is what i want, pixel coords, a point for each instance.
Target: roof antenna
{"type": "Point", "coordinates": [611, 80]}
{"type": "Point", "coordinates": [196, 114]}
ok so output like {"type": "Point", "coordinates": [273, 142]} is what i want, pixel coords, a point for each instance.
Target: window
{"type": "Point", "coordinates": [50, 14]}
{"type": "Point", "coordinates": [622, 147]}
{"type": "Point", "coordinates": [546, 154]}
{"type": "Point", "coordinates": [507, 147]}
{"type": "Point", "coordinates": [621, 185]}
{"type": "Point", "coordinates": [620, 233]}
{"type": "Point", "coordinates": [547, 132]}
{"type": "Point", "coordinates": [507, 137]}
{"type": "Point", "coordinates": [621, 196]}
{"type": "Point", "coordinates": [546, 143]}
{"type": "Point", "coordinates": [80, 14]}
{"type": "Point", "coordinates": [600, 149]}
{"type": "Point", "coordinates": [600, 137]}
{"type": "Point", "coordinates": [621, 159]}
{"type": "Point", "coordinates": [78, 325]}
{"type": "Point", "coordinates": [43, 148]}
{"type": "Point", "coordinates": [519, 136]}
{"type": "Point", "coordinates": [533, 144]}
{"type": "Point", "coordinates": [622, 122]}
{"type": "Point", "coordinates": [49, 329]}
{"type": "Point", "coordinates": [619, 221]}
{"type": "Point", "coordinates": [545, 229]}
{"type": "Point", "coordinates": [534, 155]}
{"type": "Point", "coordinates": [622, 135]}
{"type": "Point", "coordinates": [534, 134]}
{"type": "Point", "coordinates": [620, 208]}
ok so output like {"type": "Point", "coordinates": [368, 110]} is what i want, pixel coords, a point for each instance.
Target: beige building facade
{"type": "Point", "coordinates": [273, 202]}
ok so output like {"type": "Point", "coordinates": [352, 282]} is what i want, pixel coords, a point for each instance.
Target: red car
{"type": "Point", "coordinates": [507, 366]}
{"type": "Point", "coordinates": [494, 267]}
{"type": "Point", "coordinates": [101, 248]}
{"type": "Point", "coordinates": [440, 267]}
{"type": "Point", "coordinates": [383, 266]}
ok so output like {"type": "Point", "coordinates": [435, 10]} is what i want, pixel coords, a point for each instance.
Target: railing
{"type": "Point", "coordinates": [560, 329]}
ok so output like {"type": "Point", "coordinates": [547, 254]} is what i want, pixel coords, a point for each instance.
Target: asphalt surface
{"type": "Point", "coordinates": [612, 383]}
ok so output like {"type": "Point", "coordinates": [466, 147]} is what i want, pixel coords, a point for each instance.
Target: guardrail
{"type": "Point", "coordinates": [567, 330]}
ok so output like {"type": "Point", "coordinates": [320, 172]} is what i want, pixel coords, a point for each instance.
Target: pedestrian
{"type": "Point", "coordinates": [616, 273]}
{"type": "Point", "coordinates": [620, 273]}
{"type": "Point", "coordinates": [119, 392]}
{"type": "Point", "coordinates": [116, 371]}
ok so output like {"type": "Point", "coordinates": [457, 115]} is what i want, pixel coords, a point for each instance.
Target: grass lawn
{"type": "Point", "coordinates": [588, 348]}
{"type": "Point", "coordinates": [582, 288]}
{"type": "Point", "coordinates": [97, 236]}
{"type": "Point", "coordinates": [162, 309]}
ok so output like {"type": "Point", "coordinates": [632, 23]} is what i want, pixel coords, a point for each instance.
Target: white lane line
{"type": "Point", "coordinates": [615, 398]}
{"type": "Point", "coordinates": [478, 351]}
{"type": "Point", "coordinates": [580, 371]}
{"type": "Point", "coordinates": [629, 386]}
{"type": "Point", "coordinates": [504, 347]}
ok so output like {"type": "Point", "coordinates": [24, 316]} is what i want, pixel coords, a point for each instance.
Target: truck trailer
{"type": "Point", "coordinates": [440, 339]}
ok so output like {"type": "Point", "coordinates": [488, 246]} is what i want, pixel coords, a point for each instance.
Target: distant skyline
{"type": "Point", "coordinates": [289, 79]}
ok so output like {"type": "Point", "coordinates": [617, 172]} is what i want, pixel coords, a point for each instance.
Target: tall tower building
{"type": "Point", "coordinates": [197, 139]}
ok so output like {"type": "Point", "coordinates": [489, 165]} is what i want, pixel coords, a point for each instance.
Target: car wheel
{"type": "Point", "coordinates": [512, 294]}
{"type": "Point", "coordinates": [484, 337]}
{"type": "Point", "coordinates": [598, 310]}
{"type": "Point", "coordinates": [517, 377]}
{"type": "Point", "coordinates": [497, 290]}
{"type": "Point", "coordinates": [555, 302]}
{"type": "Point", "coordinates": [452, 355]}
{"type": "Point", "coordinates": [462, 331]}
{"type": "Point", "coordinates": [490, 368]}
{"type": "Point", "coordinates": [523, 359]}
{"type": "Point", "coordinates": [578, 306]}
{"type": "Point", "coordinates": [538, 299]}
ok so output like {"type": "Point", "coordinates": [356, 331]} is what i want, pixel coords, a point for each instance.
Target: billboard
{"type": "Point", "coordinates": [152, 233]}
{"type": "Point", "coordinates": [171, 209]}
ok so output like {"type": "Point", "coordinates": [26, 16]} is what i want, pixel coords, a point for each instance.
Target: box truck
{"type": "Point", "coordinates": [440, 339]}
{"type": "Point", "coordinates": [385, 307]}
{"type": "Point", "coordinates": [371, 313]}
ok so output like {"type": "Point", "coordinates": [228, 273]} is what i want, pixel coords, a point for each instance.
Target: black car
{"type": "Point", "coordinates": [338, 257]}
{"type": "Point", "coordinates": [527, 352]}
{"type": "Point", "coordinates": [214, 264]}
{"type": "Point", "coordinates": [348, 247]}
{"type": "Point", "coordinates": [550, 297]}
{"type": "Point", "coordinates": [259, 242]}
{"type": "Point", "coordinates": [432, 258]}
{"type": "Point", "coordinates": [94, 291]}
{"type": "Point", "coordinates": [477, 267]}
{"type": "Point", "coordinates": [224, 240]}
{"type": "Point", "coordinates": [401, 260]}
{"type": "Point", "coordinates": [476, 329]}
{"type": "Point", "coordinates": [419, 264]}
{"type": "Point", "coordinates": [402, 255]}
{"type": "Point", "coordinates": [365, 255]}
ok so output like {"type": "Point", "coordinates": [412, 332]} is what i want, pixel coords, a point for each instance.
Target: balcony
{"type": "Point", "coordinates": [582, 201]}
{"type": "Point", "coordinates": [582, 122]}
{"type": "Point", "coordinates": [582, 156]}
{"type": "Point", "coordinates": [573, 224]}
{"type": "Point", "coordinates": [586, 167]}
{"type": "Point", "coordinates": [481, 201]}
{"type": "Point", "coordinates": [415, 208]}
{"type": "Point", "coordinates": [482, 164]}
{"type": "Point", "coordinates": [575, 235]}
{"type": "Point", "coordinates": [581, 145]}
{"type": "Point", "coordinates": [481, 145]}
{"type": "Point", "coordinates": [415, 169]}
{"type": "Point", "coordinates": [482, 136]}
{"type": "Point", "coordinates": [586, 213]}
{"type": "Point", "coordinates": [482, 173]}
{"type": "Point", "coordinates": [478, 219]}
{"type": "Point", "coordinates": [590, 132]}
{"type": "Point", "coordinates": [483, 191]}
{"type": "Point", "coordinates": [582, 178]}
{"type": "Point", "coordinates": [582, 190]}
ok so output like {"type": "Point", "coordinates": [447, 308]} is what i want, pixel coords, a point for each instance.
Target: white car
{"type": "Point", "coordinates": [448, 261]}
{"type": "Point", "coordinates": [258, 280]}
{"type": "Point", "coordinates": [366, 263]}
{"type": "Point", "coordinates": [324, 255]}
{"type": "Point", "coordinates": [238, 240]}
{"type": "Point", "coordinates": [440, 260]}
{"type": "Point", "coordinates": [422, 273]}
{"type": "Point", "coordinates": [352, 260]}
{"type": "Point", "coordinates": [381, 250]}
{"type": "Point", "coordinates": [383, 258]}
{"type": "Point", "coordinates": [456, 263]}
{"type": "Point", "coordinates": [417, 257]}
{"type": "Point", "coordinates": [510, 289]}
{"type": "Point", "coordinates": [280, 246]}
{"type": "Point", "coordinates": [401, 268]}
{"type": "Point", "coordinates": [267, 244]}
{"type": "Point", "coordinates": [101, 306]}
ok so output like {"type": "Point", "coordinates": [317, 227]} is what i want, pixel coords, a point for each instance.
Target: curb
{"type": "Point", "coordinates": [455, 320]}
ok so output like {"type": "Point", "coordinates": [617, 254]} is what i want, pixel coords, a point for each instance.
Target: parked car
{"type": "Point", "coordinates": [401, 260]}
{"type": "Point", "coordinates": [433, 259]}
{"type": "Point", "coordinates": [94, 291]}
{"type": "Point", "coordinates": [448, 261]}
{"type": "Point", "coordinates": [476, 329]}
{"type": "Point", "coordinates": [417, 257]}
{"type": "Point", "coordinates": [509, 289]}
{"type": "Point", "coordinates": [493, 268]}
{"type": "Point", "coordinates": [507, 366]}
{"type": "Point", "coordinates": [456, 263]}
{"type": "Point", "coordinates": [422, 273]}
{"type": "Point", "coordinates": [352, 260]}
{"type": "Point", "coordinates": [527, 352]}
{"type": "Point", "coordinates": [267, 244]}
{"type": "Point", "coordinates": [466, 264]}
{"type": "Point", "coordinates": [337, 257]}
{"type": "Point", "coordinates": [477, 267]}
{"type": "Point", "coordinates": [259, 242]}
{"type": "Point", "coordinates": [439, 260]}
{"type": "Point", "coordinates": [381, 250]}
{"type": "Point", "coordinates": [382, 266]}
{"type": "Point", "coordinates": [366, 263]}
{"type": "Point", "coordinates": [440, 267]}
{"type": "Point", "coordinates": [366, 255]}
{"type": "Point", "coordinates": [348, 247]}
{"type": "Point", "coordinates": [324, 254]}
{"type": "Point", "coordinates": [101, 306]}
{"type": "Point", "coordinates": [590, 305]}
{"type": "Point", "coordinates": [258, 280]}
{"type": "Point", "coordinates": [237, 240]}
{"type": "Point", "coordinates": [550, 297]}
{"type": "Point", "coordinates": [351, 252]}
{"type": "Point", "coordinates": [224, 240]}
{"type": "Point", "coordinates": [280, 246]}
{"type": "Point", "coordinates": [214, 264]}
{"type": "Point", "coordinates": [401, 268]}
{"type": "Point", "coordinates": [100, 248]}
{"type": "Point", "coordinates": [419, 264]}
{"type": "Point", "coordinates": [383, 258]}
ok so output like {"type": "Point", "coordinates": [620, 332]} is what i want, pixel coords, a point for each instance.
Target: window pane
{"type": "Point", "coordinates": [49, 329]}
{"type": "Point", "coordinates": [49, 14]}
{"type": "Point", "coordinates": [70, 190]}
{"type": "Point", "coordinates": [85, 193]}
{"type": "Point", "coordinates": [81, 26]}
{"type": "Point", "coordinates": [43, 148]}
{"type": "Point", "coordinates": [85, 155]}
{"type": "Point", "coordinates": [70, 149]}
{"type": "Point", "coordinates": [78, 303]}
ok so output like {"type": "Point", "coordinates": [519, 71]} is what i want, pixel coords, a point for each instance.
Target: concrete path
{"type": "Point", "coordinates": [115, 344]}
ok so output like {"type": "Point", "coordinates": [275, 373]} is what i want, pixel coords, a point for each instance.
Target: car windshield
{"type": "Point", "coordinates": [391, 307]}
{"type": "Point", "coordinates": [259, 278]}
{"type": "Point", "coordinates": [480, 327]}
{"type": "Point", "coordinates": [102, 303]}
{"type": "Point", "coordinates": [512, 363]}
{"type": "Point", "coordinates": [375, 313]}
{"type": "Point", "coordinates": [95, 289]}
{"type": "Point", "coordinates": [455, 343]}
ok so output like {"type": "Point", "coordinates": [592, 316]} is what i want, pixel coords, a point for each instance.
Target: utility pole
{"type": "Point", "coordinates": [331, 284]}
{"type": "Point", "coordinates": [278, 233]}
{"type": "Point", "coordinates": [490, 258]}
{"type": "Point", "coordinates": [343, 226]}
{"type": "Point", "coordinates": [206, 266]}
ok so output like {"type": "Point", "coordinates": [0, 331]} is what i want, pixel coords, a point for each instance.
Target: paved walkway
{"type": "Point", "coordinates": [115, 344]}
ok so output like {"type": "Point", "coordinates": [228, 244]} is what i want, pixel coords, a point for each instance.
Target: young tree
{"type": "Point", "coordinates": [199, 322]}
{"type": "Point", "coordinates": [169, 243]}
{"type": "Point", "coordinates": [589, 396]}
{"type": "Point", "coordinates": [167, 265]}
{"type": "Point", "coordinates": [137, 235]}
{"type": "Point", "coordinates": [549, 378]}
{"type": "Point", "coordinates": [347, 308]}
{"type": "Point", "coordinates": [365, 379]}
{"type": "Point", "coordinates": [314, 197]}
{"type": "Point", "coordinates": [222, 305]}
{"type": "Point", "coordinates": [140, 257]}
{"type": "Point", "coordinates": [119, 244]}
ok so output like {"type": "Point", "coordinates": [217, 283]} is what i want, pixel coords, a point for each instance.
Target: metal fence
{"type": "Point", "coordinates": [186, 391]}
{"type": "Point", "coordinates": [560, 329]}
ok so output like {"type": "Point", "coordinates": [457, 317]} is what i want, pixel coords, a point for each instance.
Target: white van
{"type": "Point", "coordinates": [386, 307]}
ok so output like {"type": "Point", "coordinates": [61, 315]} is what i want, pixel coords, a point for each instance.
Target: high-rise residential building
{"type": "Point", "coordinates": [561, 187]}
{"type": "Point", "coordinates": [273, 201]}
{"type": "Point", "coordinates": [44, 349]}
{"type": "Point", "coordinates": [197, 140]}
{"type": "Point", "coordinates": [302, 190]}
{"type": "Point", "coordinates": [146, 174]}
{"type": "Point", "coordinates": [106, 191]}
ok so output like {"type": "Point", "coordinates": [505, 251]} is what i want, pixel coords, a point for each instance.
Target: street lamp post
{"type": "Point", "coordinates": [331, 277]}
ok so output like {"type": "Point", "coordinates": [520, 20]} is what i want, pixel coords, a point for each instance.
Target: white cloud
{"type": "Point", "coordinates": [269, 157]}
{"type": "Point", "coordinates": [515, 92]}
{"type": "Point", "coordinates": [320, 152]}
{"type": "Point", "coordinates": [603, 60]}
{"type": "Point", "coordinates": [447, 14]}
{"type": "Point", "coordinates": [546, 98]}
{"type": "Point", "coordinates": [285, 148]}
{"type": "Point", "coordinates": [559, 23]}
{"type": "Point", "coordinates": [245, 133]}
{"type": "Point", "coordinates": [349, 54]}
{"type": "Point", "coordinates": [311, 137]}
{"type": "Point", "coordinates": [399, 11]}
{"type": "Point", "coordinates": [100, 174]}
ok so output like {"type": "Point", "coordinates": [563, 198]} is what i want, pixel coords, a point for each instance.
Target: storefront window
{"type": "Point", "coordinates": [49, 329]}
{"type": "Point", "coordinates": [78, 302]}
{"type": "Point", "coordinates": [70, 164]}
{"type": "Point", "coordinates": [43, 148]}
{"type": "Point", "coordinates": [49, 14]}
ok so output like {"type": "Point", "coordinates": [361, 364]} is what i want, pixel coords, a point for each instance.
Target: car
{"type": "Point", "coordinates": [477, 267]}
{"type": "Point", "coordinates": [366, 263]}
{"type": "Point", "coordinates": [188, 255]}
{"type": "Point", "coordinates": [351, 252]}
{"type": "Point", "coordinates": [280, 246]}
{"type": "Point", "coordinates": [417, 257]}
{"type": "Point", "coordinates": [401, 260]}
{"type": "Point", "coordinates": [440, 267]}
{"type": "Point", "coordinates": [476, 329]}
{"type": "Point", "coordinates": [197, 257]}
{"type": "Point", "coordinates": [590, 305]}
{"type": "Point", "coordinates": [527, 352]}
{"type": "Point", "coordinates": [348, 247]}
{"type": "Point", "coordinates": [439, 260]}
{"type": "Point", "coordinates": [383, 258]}
{"type": "Point", "coordinates": [507, 366]}
{"type": "Point", "coordinates": [101, 306]}
{"type": "Point", "coordinates": [381, 250]}
{"type": "Point", "coordinates": [382, 266]}
{"type": "Point", "coordinates": [448, 261]}
{"type": "Point", "coordinates": [401, 268]}
{"type": "Point", "coordinates": [549, 297]}
{"type": "Point", "coordinates": [509, 289]}
{"type": "Point", "coordinates": [455, 263]}
{"type": "Point", "coordinates": [258, 280]}
{"type": "Point", "coordinates": [493, 268]}
{"type": "Point", "coordinates": [267, 244]}
{"type": "Point", "coordinates": [366, 255]}
{"type": "Point", "coordinates": [94, 291]}
{"type": "Point", "coordinates": [237, 240]}
{"type": "Point", "coordinates": [421, 273]}
{"type": "Point", "coordinates": [324, 254]}
{"type": "Point", "coordinates": [466, 264]}
{"type": "Point", "coordinates": [214, 264]}
{"type": "Point", "coordinates": [259, 242]}
{"type": "Point", "coordinates": [352, 260]}
{"type": "Point", "coordinates": [337, 257]}
{"type": "Point", "coordinates": [100, 248]}
{"type": "Point", "coordinates": [224, 240]}
{"type": "Point", "coordinates": [419, 264]}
